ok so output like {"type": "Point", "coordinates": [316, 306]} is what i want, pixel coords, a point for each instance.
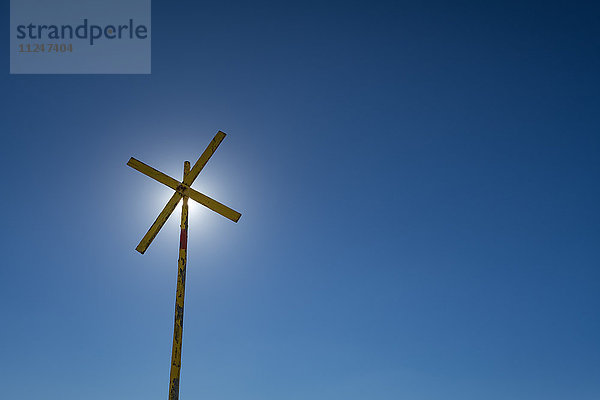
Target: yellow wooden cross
{"type": "Point", "coordinates": [182, 191]}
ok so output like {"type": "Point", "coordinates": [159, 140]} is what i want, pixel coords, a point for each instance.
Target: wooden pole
{"type": "Point", "coordinates": [178, 328]}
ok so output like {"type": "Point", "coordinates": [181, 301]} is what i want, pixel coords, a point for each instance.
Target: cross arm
{"type": "Point", "coordinates": [185, 190]}
{"type": "Point", "coordinates": [153, 173]}
{"type": "Point", "coordinates": [211, 204]}
{"type": "Point", "coordinates": [206, 155]}
{"type": "Point", "coordinates": [158, 224]}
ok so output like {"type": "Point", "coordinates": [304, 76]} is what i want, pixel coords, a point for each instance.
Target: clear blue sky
{"type": "Point", "coordinates": [419, 190]}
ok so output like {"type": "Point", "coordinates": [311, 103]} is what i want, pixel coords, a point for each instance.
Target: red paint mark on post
{"type": "Point", "coordinates": [183, 240]}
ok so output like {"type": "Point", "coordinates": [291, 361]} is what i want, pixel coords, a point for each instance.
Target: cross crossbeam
{"type": "Point", "coordinates": [182, 189]}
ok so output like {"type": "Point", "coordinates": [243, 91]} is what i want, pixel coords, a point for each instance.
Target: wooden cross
{"type": "Point", "coordinates": [182, 191]}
